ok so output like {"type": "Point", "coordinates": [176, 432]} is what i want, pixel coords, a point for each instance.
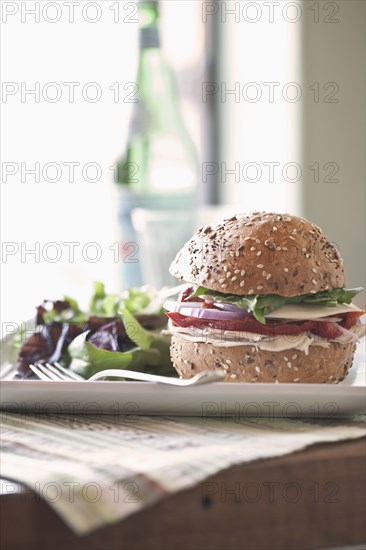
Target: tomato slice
{"type": "Point", "coordinates": [249, 324]}
{"type": "Point", "coordinates": [351, 318]}
{"type": "Point", "coordinates": [325, 329]}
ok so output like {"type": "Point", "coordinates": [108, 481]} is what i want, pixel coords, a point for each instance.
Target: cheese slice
{"type": "Point", "coordinates": [303, 312]}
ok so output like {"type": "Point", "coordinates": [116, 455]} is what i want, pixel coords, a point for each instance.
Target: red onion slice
{"type": "Point", "coordinates": [214, 314]}
{"type": "Point", "coordinates": [195, 309]}
{"type": "Point", "coordinates": [170, 305]}
{"type": "Point", "coordinates": [225, 306]}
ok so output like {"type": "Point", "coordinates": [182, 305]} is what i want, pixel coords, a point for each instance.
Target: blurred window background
{"type": "Point", "coordinates": [270, 93]}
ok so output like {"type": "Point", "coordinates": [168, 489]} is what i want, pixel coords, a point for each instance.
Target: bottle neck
{"type": "Point", "coordinates": [149, 37]}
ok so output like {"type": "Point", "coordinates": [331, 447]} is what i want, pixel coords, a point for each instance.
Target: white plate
{"type": "Point", "coordinates": [219, 399]}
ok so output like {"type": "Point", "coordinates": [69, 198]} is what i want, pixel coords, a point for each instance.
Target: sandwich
{"type": "Point", "coordinates": [265, 300]}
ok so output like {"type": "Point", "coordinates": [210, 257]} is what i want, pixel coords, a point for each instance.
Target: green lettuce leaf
{"type": "Point", "coordinates": [151, 354]}
{"type": "Point", "coordinates": [138, 301]}
{"type": "Point", "coordinates": [261, 305]}
{"type": "Point", "coordinates": [143, 300]}
{"type": "Point", "coordinates": [87, 359]}
{"type": "Point", "coordinates": [135, 331]}
{"type": "Point", "coordinates": [102, 304]}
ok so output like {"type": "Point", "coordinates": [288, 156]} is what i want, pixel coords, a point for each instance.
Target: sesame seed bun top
{"type": "Point", "coordinates": [260, 253]}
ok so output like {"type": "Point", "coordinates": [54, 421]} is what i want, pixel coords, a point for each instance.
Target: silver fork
{"type": "Point", "coordinates": [55, 371]}
{"type": "Point", "coordinates": [7, 371]}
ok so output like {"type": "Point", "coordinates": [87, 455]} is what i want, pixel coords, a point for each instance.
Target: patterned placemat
{"type": "Point", "coordinates": [94, 472]}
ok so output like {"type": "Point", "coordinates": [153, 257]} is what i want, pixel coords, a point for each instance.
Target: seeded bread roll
{"type": "Point", "coordinates": [261, 253]}
{"type": "Point", "coordinates": [248, 364]}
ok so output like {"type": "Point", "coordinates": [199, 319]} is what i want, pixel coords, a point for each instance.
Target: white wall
{"type": "Point", "coordinates": [261, 125]}
{"type": "Point", "coordinates": [335, 132]}
{"type": "Point", "coordinates": [36, 52]}
{"type": "Point", "coordinates": [324, 44]}
{"type": "Point", "coordinates": [42, 131]}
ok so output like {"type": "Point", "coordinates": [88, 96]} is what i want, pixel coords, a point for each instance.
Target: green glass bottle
{"type": "Point", "coordinates": [160, 160]}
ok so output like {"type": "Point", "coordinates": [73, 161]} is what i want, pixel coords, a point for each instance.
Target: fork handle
{"type": "Point", "coordinates": [133, 375]}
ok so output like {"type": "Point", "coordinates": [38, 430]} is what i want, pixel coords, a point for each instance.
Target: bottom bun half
{"type": "Point", "coordinates": [249, 364]}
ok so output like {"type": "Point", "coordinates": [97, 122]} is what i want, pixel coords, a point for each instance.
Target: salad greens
{"type": "Point", "coordinates": [118, 331]}
{"type": "Point", "coordinates": [150, 352]}
{"type": "Point", "coordinates": [63, 311]}
{"type": "Point", "coordinates": [261, 305]}
{"type": "Point", "coordinates": [144, 300]}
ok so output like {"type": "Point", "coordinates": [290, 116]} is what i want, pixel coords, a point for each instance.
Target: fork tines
{"type": "Point", "coordinates": [53, 371]}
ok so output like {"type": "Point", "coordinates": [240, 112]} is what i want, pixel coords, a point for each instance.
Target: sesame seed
{"type": "Point", "coordinates": [260, 266]}
{"type": "Point", "coordinates": [286, 358]}
{"type": "Point", "coordinates": [268, 276]}
{"type": "Point", "coordinates": [285, 269]}
{"type": "Point", "coordinates": [237, 254]}
{"type": "Point", "coordinates": [307, 255]}
{"type": "Point", "coordinates": [223, 286]}
{"type": "Point", "coordinates": [225, 268]}
{"type": "Point", "coordinates": [303, 249]}
{"type": "Point", "coordinates": [278, 248]}
{"type": "Point", "coordinates": [242, 272]}
{"type": "Point", "coordinates": [259, 253]}
{"type": "Point", "coordinates": [314, 270]}
{"type": "Point", "coordinates": [228, 274]}
{"type": "Point", "coordinates": [312, 291]}
{"type": "Point", "coordinates": [289, 364]}
{"type": "Point", "coordinates": [257, 241]}
{"type": "Point", "coordinates": [296, 379]}
{"type": "Point", "coordinates": [233, 279]}
{"type": "Point", "coordinates": [242, 283]}
{"type": "Point", "coordinates": [232, 375]}
{"type": "Point", "coordinates": [228, 361]}
{"type": "Point", "coordinates": [294, 356]}
{"type": "Point", "coordinates": [296, 368]}
{"type": "Point", "coordinates": [292, 238]}
{"type": "Point", "coordinates": [274, 228]}
{"type": "Point", "coordinates": [257, 369]}
{"type": "Point", "coordinates": [237, 271]}
{"type": "Point", "coordinates": [313, 281]}
{"type": "Point", "coordinates": [251, 291]}
{"type": "Point", "coordinates": [264, 273]}
{"type": "Point", "coordinates": [252, 248]}
{"type": "Point", "coordinates": [221, 280]}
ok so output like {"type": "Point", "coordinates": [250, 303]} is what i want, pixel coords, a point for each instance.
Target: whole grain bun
{"type": "Point", "coordinates": [261, 253]}
{"type": "Point", "coordinates": [248, 364]}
